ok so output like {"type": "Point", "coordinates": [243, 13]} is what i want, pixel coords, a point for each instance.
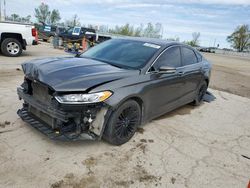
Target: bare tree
{"type": "Point", "coordinates": [75, 21]}
{"type": "Point", "coordinates": [240, 38]}
{"type": "Point", "coordinates": [196, 36]}
{"type": "Point", "coordinates": [195, 41]}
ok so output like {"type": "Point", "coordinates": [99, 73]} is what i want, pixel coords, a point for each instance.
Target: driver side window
{"type": "Point", "coordinates": [171, 58]}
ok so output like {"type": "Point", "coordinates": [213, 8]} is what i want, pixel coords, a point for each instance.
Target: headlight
{"type": "Point", "coordinates": [83, 98]}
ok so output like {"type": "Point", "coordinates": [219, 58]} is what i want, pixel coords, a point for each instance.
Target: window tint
{"type": "Point", "coordinates": [189, 56]}
{"type": "Point", "coordinates": [171, 57]}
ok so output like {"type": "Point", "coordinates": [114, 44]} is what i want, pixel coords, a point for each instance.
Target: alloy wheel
{"type": "Point", "coordinates": [126, 122]}
{"type": "Point", "coordinates": [13, 48]}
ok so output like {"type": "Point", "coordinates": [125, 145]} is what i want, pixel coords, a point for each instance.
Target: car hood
{"type": "Point", "coordinates": [65, 74]}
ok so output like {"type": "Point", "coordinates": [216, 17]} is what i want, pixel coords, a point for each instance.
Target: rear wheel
{"type": "Point", "coordinates": [11, 47]}
{"type": "Point", "coordinates": [200, 94]}
{"type": "Point", "coordinates": [123, 123]}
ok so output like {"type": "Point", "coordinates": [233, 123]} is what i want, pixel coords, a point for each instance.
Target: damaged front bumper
{"type": "Point", "coordinates": [64, 122]}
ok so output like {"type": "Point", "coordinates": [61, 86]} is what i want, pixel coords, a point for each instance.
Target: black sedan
{"type": "Point", "coordinates": [111, 89]}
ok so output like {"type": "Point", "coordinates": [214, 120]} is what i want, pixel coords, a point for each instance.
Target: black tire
{"type": "Point", "coordinates": [123, 123]}
{"type": "Point", "coordinates": [200, 94]}
{"type": "Point", "coordinates": [11, 47]}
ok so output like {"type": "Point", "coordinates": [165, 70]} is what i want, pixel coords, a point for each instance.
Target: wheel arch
{"type": "Point", "coordinates": [16, 36]}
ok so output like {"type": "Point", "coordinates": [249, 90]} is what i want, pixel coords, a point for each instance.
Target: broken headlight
{"type": "Point", "coordinates": [83, 98]}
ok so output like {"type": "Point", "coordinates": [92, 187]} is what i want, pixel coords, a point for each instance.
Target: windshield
{"type": "Point", "coordinates": [122, 53]}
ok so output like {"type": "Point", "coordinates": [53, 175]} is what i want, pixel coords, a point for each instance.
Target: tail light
{"type": "Point", "coordinates": [33, 31]}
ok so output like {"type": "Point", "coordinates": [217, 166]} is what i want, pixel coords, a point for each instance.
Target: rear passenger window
{"type": "Point", "coordinates": [171, 57]}
{"type": "Point", "coordinates": [189, 56]}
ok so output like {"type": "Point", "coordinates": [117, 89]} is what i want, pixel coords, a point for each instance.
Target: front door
{"type": "Point", "coordinates": [165, 90]}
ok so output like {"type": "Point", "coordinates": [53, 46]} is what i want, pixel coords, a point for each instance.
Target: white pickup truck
{"type": "Point", "coordinates": [14, 37]}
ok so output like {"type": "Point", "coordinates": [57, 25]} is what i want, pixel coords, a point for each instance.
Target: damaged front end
{"type": "Point", "coordinates": [58, 120]}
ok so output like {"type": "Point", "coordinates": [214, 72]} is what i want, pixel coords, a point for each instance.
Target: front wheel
{"type": "Point", "coordinates": [123, 123]}
{"type": "Point", "coordinates": [200, 94]}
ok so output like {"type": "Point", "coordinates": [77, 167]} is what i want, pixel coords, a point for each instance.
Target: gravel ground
{"type": "Point", "coordinates": [230, 74]}
{"type": "Point", "coordinates": [206, 146]}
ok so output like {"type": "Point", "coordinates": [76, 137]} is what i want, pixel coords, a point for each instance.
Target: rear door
{"type": "Point", "coordinates": [191, 73]}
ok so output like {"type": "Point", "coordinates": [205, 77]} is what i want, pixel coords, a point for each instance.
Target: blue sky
{"type": "Point", "coordinates": [214, 19]}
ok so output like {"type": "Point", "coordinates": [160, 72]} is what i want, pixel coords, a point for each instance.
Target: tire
{"type": "Point", "coordinates": [123, 123]}
{"type": "Point", "coordinates": [11, 47]}
{"type": "Point", "coordinates": [200, 93]}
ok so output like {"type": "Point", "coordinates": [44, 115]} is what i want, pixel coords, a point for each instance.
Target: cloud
{"type": "Point", "coordinates": [146, 3]}
{"type": "Point", "coordinates": [213, 18]}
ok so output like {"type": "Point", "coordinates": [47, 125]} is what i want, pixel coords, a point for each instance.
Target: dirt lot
{"type": "Point", "coordinates": [206, 146]}
{"type": "Point", "coordinates": [230, 74]}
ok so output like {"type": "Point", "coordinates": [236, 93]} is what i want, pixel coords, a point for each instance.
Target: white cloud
{"type": "Point", "coordinates": [147, 3]}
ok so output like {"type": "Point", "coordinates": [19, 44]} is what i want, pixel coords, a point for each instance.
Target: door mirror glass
{"type": "Point", "coordinates": [167, 70]}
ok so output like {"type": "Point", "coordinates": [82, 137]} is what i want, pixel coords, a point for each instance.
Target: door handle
{"type": "Point", "coordinates": [180, 73]}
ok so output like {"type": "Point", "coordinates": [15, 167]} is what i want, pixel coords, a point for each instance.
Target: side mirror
{"type": "Point", "coordinates": [167, 70]}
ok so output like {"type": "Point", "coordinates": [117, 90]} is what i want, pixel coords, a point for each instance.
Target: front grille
{"type": "Point", "coordinates": [41, 92]}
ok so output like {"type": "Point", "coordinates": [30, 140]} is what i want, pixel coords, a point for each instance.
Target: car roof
{"type": "Point", "coordinates": [160, 42]}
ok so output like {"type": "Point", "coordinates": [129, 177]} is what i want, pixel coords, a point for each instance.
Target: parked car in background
{"type": "Point", "coordinates": [112, 88]}
{"type": "Point", "coordinates": [15, 37]}
{"type": "Point", "coordinates": [75, 34]}
{"type": "Point", "coordinates": [207, 49]}
{"type": "Point", "coordinates": [47, 32]}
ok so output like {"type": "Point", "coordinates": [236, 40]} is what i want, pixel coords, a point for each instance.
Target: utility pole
{"type": "Point", "coordinates": [0, 10]}
{"type": "Point", "coordinates": [4, 9]}
{"type": "Point", "coordinates": [214, 42]}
